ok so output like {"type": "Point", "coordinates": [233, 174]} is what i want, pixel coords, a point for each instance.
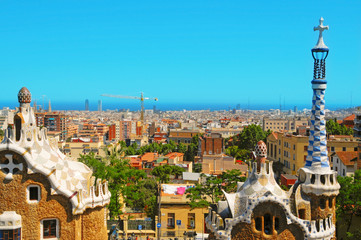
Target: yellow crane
{"type": "Point", "coordinates": [141, 98]}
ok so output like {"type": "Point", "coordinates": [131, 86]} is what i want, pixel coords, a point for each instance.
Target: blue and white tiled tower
{"type": "Point", "coordinates": [317, 148]}
{"type": "Point", "coordinates": [307, 210]}
{"type": "Point", "coordinates": [317, 168]}
{"type": "Point", "coordinates": [316, 179]}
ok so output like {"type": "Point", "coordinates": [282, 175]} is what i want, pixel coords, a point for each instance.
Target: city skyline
{"type": "Point", "coordinates": [191, 53]}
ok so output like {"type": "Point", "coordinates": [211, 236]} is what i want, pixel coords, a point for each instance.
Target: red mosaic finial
{"type": "Point", "coordinates": [24, 95]}
{"type": "Point", "coordinates": [261, 149]}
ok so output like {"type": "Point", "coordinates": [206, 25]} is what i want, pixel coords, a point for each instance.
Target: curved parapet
{"type": "Point", "coordinates": [324, 183]}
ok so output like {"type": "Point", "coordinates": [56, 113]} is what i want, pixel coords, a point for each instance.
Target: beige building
{"type": "Point", "coordinates": [216, 164]}
{"type": "Point", "coordinates": [183, 136]}
{"type": "Point", "coordinates": [291, 150]}
{"type": "Point", "coordinates": [176, 216]}
{"type": "Point", "coordinates": [227, 132]}
{"type": "Point", "coordinates": [75, 149]}
{"type": "Point", "coordinates": [282, 124]}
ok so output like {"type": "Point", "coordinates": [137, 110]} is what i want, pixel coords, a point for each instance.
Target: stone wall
{"type": "Point", "coordinates": [13, 197]}
{"type": "Point", "coordinates": [318, 212]}
{"type": "Point", "coordinates": [93, 224]}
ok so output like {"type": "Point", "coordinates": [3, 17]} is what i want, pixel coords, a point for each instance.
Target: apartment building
{"type": "Point", "coordinates": [283, 124]}
{"type": "Point", "coordinates": [177, 219]}
{"type": "Point", "coordinates": [291, 150]}
{"type": "Point", "coordinates": [211, 144]}
{"type": "Point", "coordinates": [120, 131]}
{"type": "Point", "coordinates": [357, 125]}
{"type": "Point", "coordinates": [344, 163]}
{"type": "Point", "coordinates": [226, 132]}
{"type": "Point", "coordinates": [216, 164]}
{"type": "Point", "coordinates": [182, 135]}
{"type": "Point", "coordinates": [53, 121]}
{"type": "Point", "coordinates": [78, 147]}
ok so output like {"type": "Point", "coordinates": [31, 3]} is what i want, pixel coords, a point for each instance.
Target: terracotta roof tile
{"type": "Point", "coordinates": [350, 118]}
{"type": "Point", "coordinates": [347, 157]}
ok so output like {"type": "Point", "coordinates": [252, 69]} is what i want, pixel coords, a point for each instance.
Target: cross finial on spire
{"type": "Point", "coordinates": [321, 28]}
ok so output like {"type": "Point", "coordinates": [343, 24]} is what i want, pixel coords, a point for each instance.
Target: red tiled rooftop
{"type": "Point", "coordinates": [174, 155]}
{"type": "Point", "coordinates": [347, 157]}
{"type": "Point", "coordinates": [350, 118]}
{"type": "Point", "coordinates": [149, 157]}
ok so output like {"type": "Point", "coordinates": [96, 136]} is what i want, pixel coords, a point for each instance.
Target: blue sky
{"type": "Point", "coordinates": [183, 52]}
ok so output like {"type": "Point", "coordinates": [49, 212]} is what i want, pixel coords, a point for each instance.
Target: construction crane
{"type": "Point", "coordinates": [141, 98]}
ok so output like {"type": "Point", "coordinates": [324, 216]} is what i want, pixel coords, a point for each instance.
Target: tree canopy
{"type": "Point", "coordinates": [348, 202]}
{"type": "Point", "coordinates": [334, 128]}
{"type": "Point", "coordinates": [125, 182]}
{"type": "Point", "coordinates": [162, 173]}
{"type": "Point", "coordinates": [209, 191]}
{"type": "Point", "coordinates": [241, 145]}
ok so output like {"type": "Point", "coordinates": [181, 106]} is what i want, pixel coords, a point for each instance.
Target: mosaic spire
{"type": "Point", "coordinates": [317, 149]}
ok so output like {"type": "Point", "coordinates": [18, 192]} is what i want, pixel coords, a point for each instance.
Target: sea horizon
{"type": "Point", "coordinates": [135, 106]}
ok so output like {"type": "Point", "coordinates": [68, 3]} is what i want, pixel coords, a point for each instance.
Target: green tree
{"type": "Point", "coordinates": [230, 178]}
{"type": "Point", "coordinates": [123, 180]}
{"type": "Point", "coordinates": [142, 195]}
{"type": "Point", "coordinates": [163, 172]}
{"type": "Point", "coordinates": [197, 167]}
{"type": "Point", "coordinates": [348, 202]}
{"type": "Point", "coordinates": [334, 128]}
{"type": "Point", "coordinates": [181, 148]}
{"type": "Point", "coordinates": [192, 149]}
{"type": "Point", "coordinates": [237, 153]}
{"type": "Point", "coordinates": [249, 137]}
{"type": "Point", "coordinates": [210, 190]}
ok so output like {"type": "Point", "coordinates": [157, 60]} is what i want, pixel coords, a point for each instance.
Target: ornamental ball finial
{"type": "Point", "coordinates": [24, 95]}
{"type": "Point", "coordinates": [261, 149]}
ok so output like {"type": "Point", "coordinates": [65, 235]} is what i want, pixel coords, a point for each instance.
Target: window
{"type": "Point", "coordinates": [322, 203]}
{"type": "Point", "coordinates": [277, 223]}
{"type": "Point", "coordinates": [171, 234]}
{"type": "Point", "coordinates": [50, 228]}
{"type": "Point", "coordinates": [191, 221]}
{"type": "Point", "coordinates": [343, 172]}
{"type": "Point", "coordinates": [332, 149]}
{"type": "Point", "coordinates": [33, 192]}
{"type": "Point", "coordinates": [13, 234]}
{"type": "Point", "coordinates": [17, 120]}
{"type": "Point", "coordinates": [302, 213]}
{"type": "Point", "coordinates": [355, 149]}
{"type": "Point", "coordinates": [344, 149]}
{"type": "Point", "coordinates": [275, 151]}
{"type": "Point", "coordinates": [170, 222]}
{"type": "Point", "coordinates": [294, 156]}
{"type": "Point", "coordinates": [330, 202]}
{"type": "Point", "coordinates": [268, 228]}
{"type": "Point", "coordinates": [294, 147]}
{"type": "Point", "coordinates": [258, 222]}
